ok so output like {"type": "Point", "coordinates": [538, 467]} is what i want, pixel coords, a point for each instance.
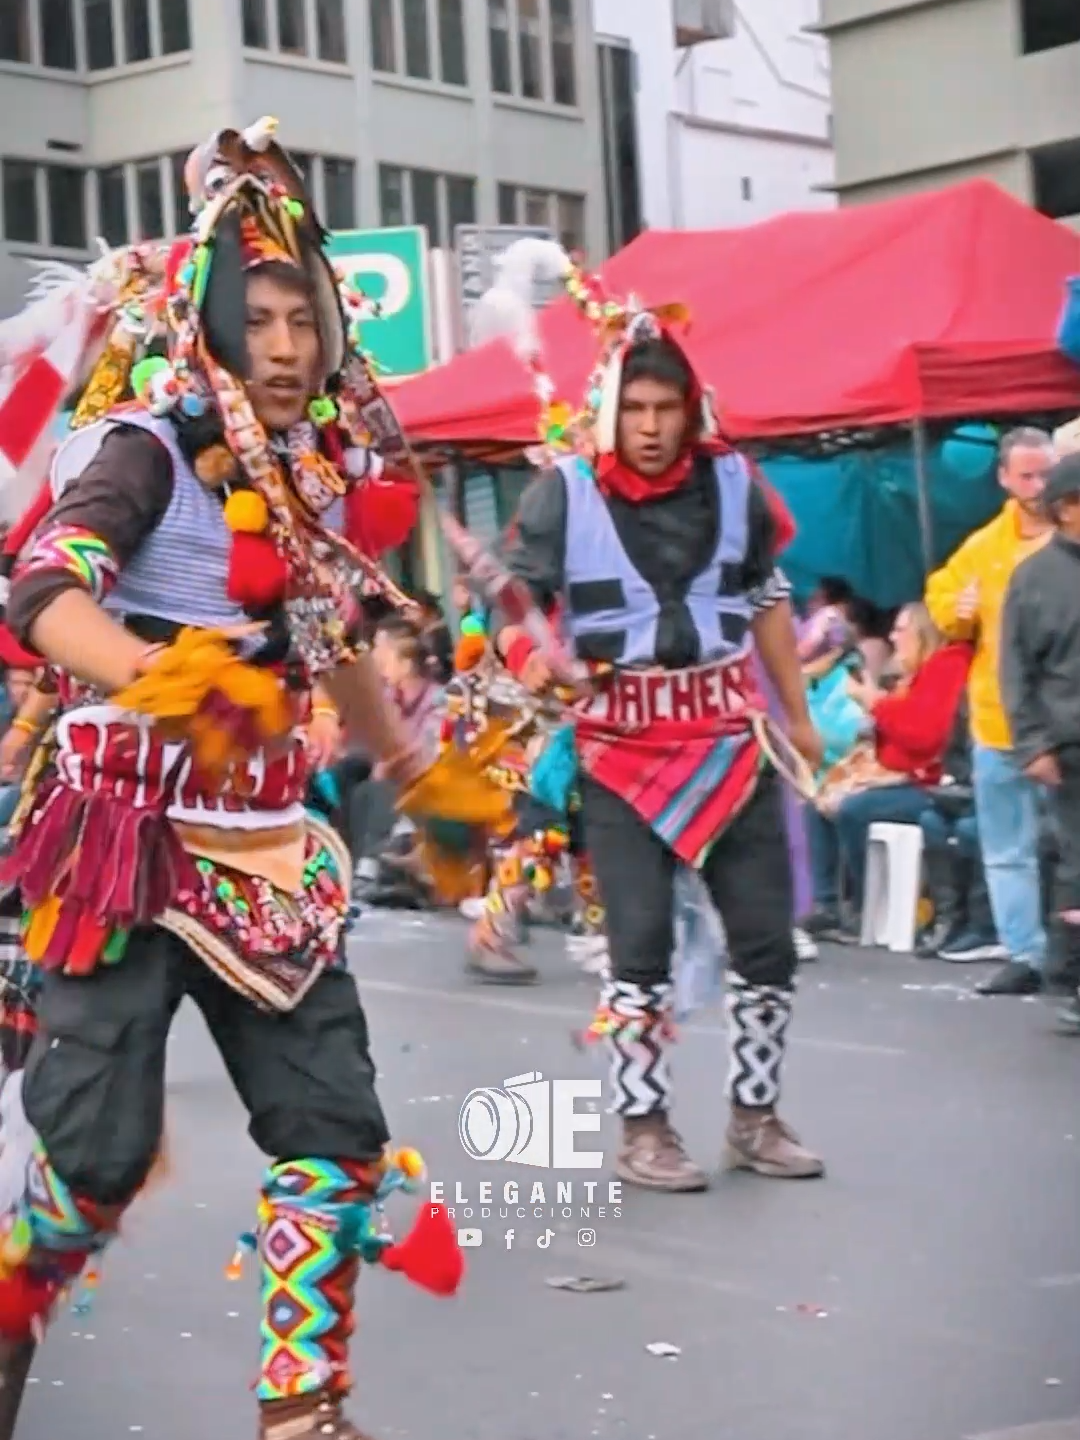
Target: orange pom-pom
{"type": "Point", "coordinates": [471, 649]}
{"type": "Point", "coordinates": [246, 512]}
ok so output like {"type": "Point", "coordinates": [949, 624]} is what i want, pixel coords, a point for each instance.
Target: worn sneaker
{"type": "Point", "coordinates": [968, 948]}
{"type": "Point", "coordinates": [759, 1140]}
{"type": "Point", "coordinates": [653, 1156]}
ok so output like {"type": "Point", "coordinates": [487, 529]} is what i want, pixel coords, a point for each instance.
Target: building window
{"type": "Point", "coordinates": [181, 203]}
{"type": "Point", "coordinates": [414, 21]}
{"type": "Point", "coordinates": [452, 61]}
{"type": "Point", "coordinates": [15, 38]}
{"type": "Point", "coordinates": [1049, 24]}
{"type": "Point", "coordinates": [536, 207]}
{"type": "Point", "coordinates": [1055, 171]}
{"type": "Point", "coordinates": [502, 76]}
{"type": "Point", "coordinates": [330, 31]}
{"type": "Point", "coordinates": [425, 203]}
{"type": "Point", "coordinates": [618, 119]}
{"type": "Point", "coordinates": [112, 205]}
{"type": "Point", "coordinates": [305, 164]}
{"type": "Point", "coordinates": [563, 51]}
{"type": "Point", "coordinates": [424, 197]}
{"type": "Point", "coordinates": [65, 194]}
{"type": "Point", "coordinates": [175, 27]}
{"type": "Point", "coordinates": [137, 31]}
{"type": "Point", "coordinates": [339, 185]}
{"type": "Point", "coordinates": [20, 202]}
{"type": "Point", "coordinates": [570, 214]}
{"type": "Point", "coordinates": [530, 49]}
{"type": "Point", "coordinates": [460, 203]}
{"type": "Point", "coordinates": [256, 29]}
{"type": "Point", "coordinates": [508, 206]}
{"type": "Point", "coordinates": [292, 28]}
{"type": "Point", "coordinates": [383, 49]}
{"type": "Point", "coordinates": [391, 195]}
{"type": "Point", "coordinates": [148, 200]}
{"type": "Point", "coordinates": [58, 35]}
{"type": "Point", "coordinates": [100, 45]}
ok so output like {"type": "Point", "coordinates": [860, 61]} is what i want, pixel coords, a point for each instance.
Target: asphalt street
{"type": "Point", "coordinates": [927, 1289]}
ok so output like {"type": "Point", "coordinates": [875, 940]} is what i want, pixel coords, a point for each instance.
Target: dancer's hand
{"type": "Point", "coordinates": [807, 742]}
{"type": "Point", "coordinates": [14, 752]}
{"type": "Point", "coordinates": [323, 739]}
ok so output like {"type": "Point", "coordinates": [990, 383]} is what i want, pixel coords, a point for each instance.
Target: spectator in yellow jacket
{"type": "Point", "coordinates": [965, 598]}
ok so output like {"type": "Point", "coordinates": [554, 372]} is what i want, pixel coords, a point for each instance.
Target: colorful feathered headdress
{"type": "Point", "coordinates": [507, 311]}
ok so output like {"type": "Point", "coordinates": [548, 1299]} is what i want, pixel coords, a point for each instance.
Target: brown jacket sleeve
{"type": "Point", "coordinates": [119, 498]}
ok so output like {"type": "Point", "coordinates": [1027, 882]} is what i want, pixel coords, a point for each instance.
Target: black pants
{"type": "Point", "coordinates": [748, 875]}
{"type": "Point", "coordinates": [95, 1080]}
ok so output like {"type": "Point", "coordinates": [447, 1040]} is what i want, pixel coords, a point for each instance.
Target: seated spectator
{"type": "Point", "coordinates": [873, 630]}
{"type": "Point", "coordinates": [885, 778]}
{"type": "Point", "coordinates": [963, 928]}
{"type": "Point", "coordinates": [826, 627]}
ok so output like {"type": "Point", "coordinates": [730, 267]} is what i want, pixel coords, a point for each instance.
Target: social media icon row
{"type": "Point", "coordinates": [470, 1239]}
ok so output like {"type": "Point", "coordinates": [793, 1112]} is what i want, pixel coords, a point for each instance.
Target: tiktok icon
{"type": "Point", "coordinates": [544, 1241]}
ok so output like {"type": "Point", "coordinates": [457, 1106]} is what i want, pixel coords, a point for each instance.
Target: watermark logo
{"type": "Point", "coordinates": [469, 1239]}
{"type": "Point", "coordinates": [531, 1121]}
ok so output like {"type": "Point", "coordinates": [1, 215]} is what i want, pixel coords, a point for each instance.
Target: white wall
{"type": "Point", "coordinates": [702, 113]}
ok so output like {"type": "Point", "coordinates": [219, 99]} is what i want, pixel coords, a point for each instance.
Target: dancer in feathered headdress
{"type": "Point", "coordinates": [192, 590]}
{"type": "Point", "coordinates": [655, 544]}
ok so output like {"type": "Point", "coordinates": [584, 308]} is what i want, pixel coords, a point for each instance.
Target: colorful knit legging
{"type": "Point", "coordinates": [312, 1215]}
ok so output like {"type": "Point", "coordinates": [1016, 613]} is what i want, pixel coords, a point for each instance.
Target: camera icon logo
{"type": "Point", "coordinates": [509, 1122]}
{"type": "Point", "coordinates": [586, 1237]}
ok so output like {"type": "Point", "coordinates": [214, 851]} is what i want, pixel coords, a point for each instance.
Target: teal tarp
{"type": "Point", "coordinates": [857, 515]}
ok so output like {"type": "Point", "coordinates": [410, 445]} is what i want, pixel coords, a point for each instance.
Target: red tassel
{"type": "Point", "coordinates": [429, 1255]}
{"type": "Point", "coordinates": [380, 515]}
{"type": "Point", "coordinates": [257, 573]}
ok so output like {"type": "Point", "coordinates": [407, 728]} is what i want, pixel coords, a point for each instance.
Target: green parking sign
{"type": "Point", "coordinates": [391, 267]}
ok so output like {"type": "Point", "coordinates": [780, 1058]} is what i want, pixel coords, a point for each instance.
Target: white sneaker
{"type": "Point", "coordinates": [472, 908]}
{"type": "Point", "coordinates": [805, 948]}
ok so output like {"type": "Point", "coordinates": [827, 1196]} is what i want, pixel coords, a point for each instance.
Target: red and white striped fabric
{"type": "Point", "coordinates": [42, 358]}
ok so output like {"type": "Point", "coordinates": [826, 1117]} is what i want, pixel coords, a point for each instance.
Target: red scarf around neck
{"type": "Point", "coordinates": [616, 479]}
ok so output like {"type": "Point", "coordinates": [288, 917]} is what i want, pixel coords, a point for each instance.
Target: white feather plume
{"type": "Point", "coordinates": [507, 310]}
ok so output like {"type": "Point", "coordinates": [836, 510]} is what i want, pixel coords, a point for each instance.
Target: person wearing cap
{"type": "Point", "coordinates": [1040, 686]}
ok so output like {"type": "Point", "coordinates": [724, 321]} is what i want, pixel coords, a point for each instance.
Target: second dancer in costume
{"type": "Point", "coordinates": [656, 545]}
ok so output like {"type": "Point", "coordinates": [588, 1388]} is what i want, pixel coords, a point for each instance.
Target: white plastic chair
{"type": "Point", "coordinates": [893, 884]}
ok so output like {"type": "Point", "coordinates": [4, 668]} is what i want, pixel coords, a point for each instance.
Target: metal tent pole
{"type": "Point", "coordinates": [922, 493]}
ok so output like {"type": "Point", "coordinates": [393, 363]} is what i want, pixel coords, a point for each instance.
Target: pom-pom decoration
{"type": "Point", "coordinates": [247, 513]}
{"type": "Point", "coordinates": [258, 575]}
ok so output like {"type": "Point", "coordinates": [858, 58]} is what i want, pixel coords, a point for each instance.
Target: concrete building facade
{"type": "Point", "coordinates": [730, 130]}
{"type": "Point", "coordinates": [928, 92]}
{"type": "Point", "coordinates": [432, 112]}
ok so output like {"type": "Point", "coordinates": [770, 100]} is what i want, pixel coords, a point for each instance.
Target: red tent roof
{"type": "Point", "coordinates": [934, 305]}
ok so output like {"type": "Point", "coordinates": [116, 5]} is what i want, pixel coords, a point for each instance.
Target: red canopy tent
{"type": "Point", "coordinates": [932, 306]}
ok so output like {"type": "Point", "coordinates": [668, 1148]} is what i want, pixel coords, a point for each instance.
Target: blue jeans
{"type": "Point", "coordinates": [1007, 804]}
{"type": "Point", "coordinates": [843, 840]}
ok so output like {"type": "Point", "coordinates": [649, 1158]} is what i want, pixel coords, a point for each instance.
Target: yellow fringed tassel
{"type": "Point", "coordinates": [180, 680]}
